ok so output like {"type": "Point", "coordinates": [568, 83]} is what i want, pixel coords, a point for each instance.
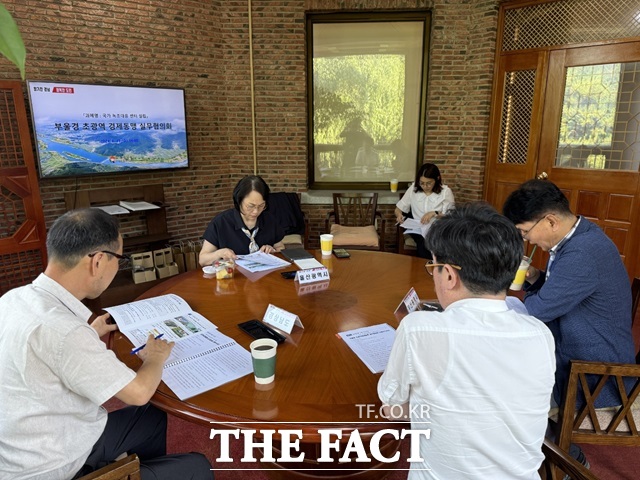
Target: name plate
{"type": "Point", "coordinates": [281, 319]}
{"type": "Point", "coordinates": [410, 303]}
{"type": "Point", "coordinates": [311, 275]}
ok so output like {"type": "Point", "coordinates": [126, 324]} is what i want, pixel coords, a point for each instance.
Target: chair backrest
{"type": "Point", "coordinates": [635, 298]}
{"type": "Point", "coordinates": [607, 426]}
{"type": "Point", "coordinates": [126, 469]}
{"type": "Point", "coordinates": [355, 209]}
{"type": "Point", "coordinates": [561, 460]}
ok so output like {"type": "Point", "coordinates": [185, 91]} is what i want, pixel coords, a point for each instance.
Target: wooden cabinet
{"type": "Point", "coordinates": [141, 230]}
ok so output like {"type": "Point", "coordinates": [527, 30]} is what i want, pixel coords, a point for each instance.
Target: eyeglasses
{"type": "Point", "coordinates": [123, 260]}
{"type": "Point", "coordinates": [427, 184]}
{"type": "Point", "coordinates": [429, 266]}
{"type": "Point", "coordinates": [524, 233]}
{"type": "Point", "coordinates": [255, 208]}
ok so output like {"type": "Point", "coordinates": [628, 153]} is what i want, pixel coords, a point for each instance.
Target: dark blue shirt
{"type": "Point", "coordinates": [586, 303]}
{"type": "Point", "coordinates": [225, 231]}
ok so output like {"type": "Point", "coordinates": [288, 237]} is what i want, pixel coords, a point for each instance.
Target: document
{"type": "Point", "coordinates": [202, 357]}
{"type": "Point", "coordinates": [137, 206]}
{"type": "Point", "coordinates": [307, 263]}
{"type": "Point", "coordinates": [260, 261]}
{"type": "Point", "coordinates": [371, 344]}
{"type": "Point", "coordinates": [113, 209]}
{"type": "Point", "coordinates": [411, 225]}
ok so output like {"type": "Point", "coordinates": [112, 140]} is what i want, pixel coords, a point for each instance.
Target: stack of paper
{"type": "Point", "coordinates": [371, 344]}
{"type": "Point", "coordinates": [260, 261]}
{"type": "Point", "coordinates": [138, 206]}
{"type": "Point", "coordinates": [415, 226]}
{"type": "Point", "coordinates": [202, 357]}
{"type": "Point", "coordinates": [113, 209]}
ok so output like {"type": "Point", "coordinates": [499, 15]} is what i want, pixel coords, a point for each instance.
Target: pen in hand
{"type": "Point", "coordinates": [137, 349]}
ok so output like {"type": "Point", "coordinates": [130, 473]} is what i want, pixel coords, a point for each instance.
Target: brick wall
{"type": "Point", "coordinates": [203, 47]}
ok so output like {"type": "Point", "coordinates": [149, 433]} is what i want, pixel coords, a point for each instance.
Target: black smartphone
{"type": "Point", "coordinates": [257, 329]}
{"type": "Point", "coordinates": [431, 306]}
{"type": "Point", "coordinates": [341, 253]}
{"type": "Point", "coordinates": [289, 275]}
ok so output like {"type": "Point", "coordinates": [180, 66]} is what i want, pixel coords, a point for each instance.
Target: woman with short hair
{"type": "Point", "coordinates": [244, 229]}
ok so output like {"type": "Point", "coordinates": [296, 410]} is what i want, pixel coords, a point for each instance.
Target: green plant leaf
{"type": "Point", "coordinates": [11, 44]}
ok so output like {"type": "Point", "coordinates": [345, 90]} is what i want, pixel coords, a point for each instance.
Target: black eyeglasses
{"type": "Point", "coordinates": [123, 260]}
{"type": "Point", "coordinates": [524, 233]}
{"type": "Point", "coordinates": [429, 266]}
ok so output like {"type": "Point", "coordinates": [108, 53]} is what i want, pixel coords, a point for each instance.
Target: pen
{"type": "Point", "coordinates": [137, 349]}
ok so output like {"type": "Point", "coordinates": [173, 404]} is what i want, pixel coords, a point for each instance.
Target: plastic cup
{"type": "Point", "coordinates": [394, 184]}
{"type": "Point", "coordinates": [263, 356]}
{"type": "Point", "coordinates": [521, 274]}
{"type": "Point", "coordinates": [326, 244]}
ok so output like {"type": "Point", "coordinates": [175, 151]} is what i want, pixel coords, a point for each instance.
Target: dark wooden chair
{"type": "Point", "coordinates": [635, 296]}
{"type": "Point", "coordinates": [286, 207]}
{"type": "Point", "coordinates": [605, 426]}
{"type": "Point", "coordinates": [557, 460]}
{"type": "Point", "coordinates": [126, 469]}
{"type": "Point", "coordinates": [357, 223]}
{"type": "Point", "coordinates": [406, 244]}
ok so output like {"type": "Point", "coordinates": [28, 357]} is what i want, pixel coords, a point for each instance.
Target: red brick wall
{"type": "Point", "coordinates": [203, 47]}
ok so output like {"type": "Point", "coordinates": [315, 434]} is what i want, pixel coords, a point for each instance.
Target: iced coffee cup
{"type": "Point", "coordinates": [521, 274]}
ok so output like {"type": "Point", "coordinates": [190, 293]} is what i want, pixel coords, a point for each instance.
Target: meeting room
{"type": "Point", "coordinates": [319, 239]}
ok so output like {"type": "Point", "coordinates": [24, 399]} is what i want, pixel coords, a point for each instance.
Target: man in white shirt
{"type": "Point", "coordinates": [55, 372]}
{"type": "Point", "coordinates": [478, 375]}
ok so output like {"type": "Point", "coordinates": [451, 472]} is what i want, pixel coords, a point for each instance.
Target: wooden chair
{"type": "Point", "coordinates": [357, 224]}
{"type": "Point", "coordinates": [285, 206]}
{"type": "Point", "coordinates": [605, 426]}
{"type": "Point", "coordinates": [406, 244]}
{"type": "Point", "coordinates": [126, 469]}
{"type": "Point", "coordinates": [556, 459]}
{"type": "Point", "coordinates": [635, 300]}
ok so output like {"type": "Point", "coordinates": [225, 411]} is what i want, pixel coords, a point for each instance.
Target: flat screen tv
{"type": "Point", "coordinates": [85, 129]}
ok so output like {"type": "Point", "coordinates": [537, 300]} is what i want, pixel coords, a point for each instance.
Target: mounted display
{"type": "Point", "coordinates": [83, 129]}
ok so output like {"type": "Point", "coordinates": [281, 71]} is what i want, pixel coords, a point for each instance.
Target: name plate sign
{"type": "Point", "coordinates": [280, 318]}
{"type": "Point", "coordinates": [410, 303]}
{"type": "Point", "coordinates": [311, 275]}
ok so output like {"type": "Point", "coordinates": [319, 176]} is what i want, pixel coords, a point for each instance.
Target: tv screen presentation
{"type": "Point", "coordinates": [83, 129]}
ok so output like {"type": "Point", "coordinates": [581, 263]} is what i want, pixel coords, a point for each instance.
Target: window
{"type": "Point", "coordinates": [367, 95]}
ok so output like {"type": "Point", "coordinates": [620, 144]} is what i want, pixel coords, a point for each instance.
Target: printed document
{"type": "Point", "coordinates": [371, 344]}
{"type": "Point", "coordinates": [411, 225]}
{"type": "Point", "coordinates": [202, 357]}
{"type": "Point", "coordinates": [138, 206]}
{"type": "Point", "coordinates": [260, 261]}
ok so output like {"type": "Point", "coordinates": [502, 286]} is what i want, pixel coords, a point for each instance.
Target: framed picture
{"type": "Point", "coordinates": [367, 82]}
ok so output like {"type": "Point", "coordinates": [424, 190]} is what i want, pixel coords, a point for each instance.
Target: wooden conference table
{"type": "Point", "coordinates": [320, 382]}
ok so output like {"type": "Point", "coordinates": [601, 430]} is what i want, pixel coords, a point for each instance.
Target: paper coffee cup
{"type": "Point", "coordinates": [263, 357]}
{"type": "Point", "coordinates": [326, 243]}
{"type": "Point", "coordinates": [394, 184]}
{"type": "Point", "coordinates": [521, 274]}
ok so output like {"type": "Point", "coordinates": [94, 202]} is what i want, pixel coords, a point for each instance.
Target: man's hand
{"type": "Point", "coordinates": [532, 275]}
{"type": "Point", "coordinates": [156, 349]}
{"type": "Point", "coordinates": [101, 326]}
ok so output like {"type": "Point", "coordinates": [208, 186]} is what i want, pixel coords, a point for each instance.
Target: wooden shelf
{"type": "Point", "coordinates": [122, 289]}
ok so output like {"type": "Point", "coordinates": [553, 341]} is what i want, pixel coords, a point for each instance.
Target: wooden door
{"type": "Point", "coordinates": [22, 229]}
{"type": "Point", "coordinates": [517, 101]}
{"type": "Point", "coordinates": [595, 159]}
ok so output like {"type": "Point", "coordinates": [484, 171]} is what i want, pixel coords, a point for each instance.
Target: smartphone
{"type": "Point", "coordinates": [289, 275]}
{"type": "Point", "coordinates": [257, 329]}
{"type": "Point", "coordinates": [431, 306]}
{"type": "Point", "coordinates": [341, 253]}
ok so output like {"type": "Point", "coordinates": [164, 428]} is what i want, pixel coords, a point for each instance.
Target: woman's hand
{"type": "Point", "coordinates": [267, 249]}
{"type": "Point", "coordinates": [226, 254]}
{"type": "Point", "coordinates": [427, 217]}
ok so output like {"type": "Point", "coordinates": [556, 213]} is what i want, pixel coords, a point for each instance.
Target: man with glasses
{"type": "Point", "coordinates": [55, 372]}
{"type": "Point", "coordinates": [477, 375]}
{"type": "Point", "coordinates": [584, 295]}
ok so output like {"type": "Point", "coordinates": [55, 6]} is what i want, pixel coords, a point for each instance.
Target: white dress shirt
{"type": "Point", "coordinates": [485, 374]}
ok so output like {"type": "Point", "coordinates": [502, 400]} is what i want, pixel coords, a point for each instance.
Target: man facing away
{"type": "Point", "coordinates": [584, 296]}
{"type": "Point", "coordinates": [55, 372]}
{"type": "Point", "coordinates": [478, 375]}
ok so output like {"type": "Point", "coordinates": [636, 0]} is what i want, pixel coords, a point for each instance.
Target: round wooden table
{"type": "Point", "coordinates": [320, 382]}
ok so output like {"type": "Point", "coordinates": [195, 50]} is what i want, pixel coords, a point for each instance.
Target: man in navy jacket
{"type": "Point", "coordinates": [584, 296]}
